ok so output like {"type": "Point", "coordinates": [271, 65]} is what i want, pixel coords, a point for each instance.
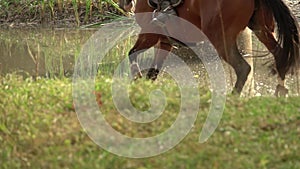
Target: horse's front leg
{"type": "Point", "coordinates": [144, 42]}
{"type": "Point", "coordinates": [162, 50]}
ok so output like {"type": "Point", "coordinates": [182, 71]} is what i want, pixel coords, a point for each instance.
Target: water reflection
{"type": "Point", "coordinates": [40, 52]}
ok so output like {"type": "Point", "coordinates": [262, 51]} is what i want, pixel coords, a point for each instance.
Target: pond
{"type": "Point", "coordinates": [40, 52]}
{"type": "Point", "coordinates": [52, 53]}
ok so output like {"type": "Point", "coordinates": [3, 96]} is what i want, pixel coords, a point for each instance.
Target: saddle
{"type": "Point", "coordinates": [154, 3]}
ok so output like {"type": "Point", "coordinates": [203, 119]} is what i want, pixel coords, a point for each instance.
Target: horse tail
{"type": "Point", "coordinates": [288, 36]}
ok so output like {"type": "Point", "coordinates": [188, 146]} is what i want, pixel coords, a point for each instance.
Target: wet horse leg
{"type": "Point", "coordinates": [144, 42]}
{"type": "Point", "coordinates": [162, 51]}
{"type": "Point", "coordinates": [228, 50]}
{"type": "Point", "coordinates": [222, 31]}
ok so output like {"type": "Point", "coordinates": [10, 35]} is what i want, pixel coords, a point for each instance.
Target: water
{"type": "Point", "coordinates": [52, 53]}
{"type": "Point", "coordinates": [40, 52]}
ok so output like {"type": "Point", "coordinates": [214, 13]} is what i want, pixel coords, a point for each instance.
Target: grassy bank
{"type": "Point", "coordinates": [57, 13]}
{"type": "Point", "coordinates": [39, 129]}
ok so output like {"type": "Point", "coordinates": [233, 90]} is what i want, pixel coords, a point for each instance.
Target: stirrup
{"type": "Point", "coordinates": [163, 16]}
{"type": "Point", "coordinates": [155, 21]}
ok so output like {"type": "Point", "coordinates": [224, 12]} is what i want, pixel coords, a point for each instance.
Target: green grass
{"type": "Point", "coordinates": [39, 129]}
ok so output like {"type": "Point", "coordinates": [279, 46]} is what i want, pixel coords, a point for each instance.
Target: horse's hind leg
{"type": "Point", "coordinates": [263, 28]}
{"type": "Point", "coordinates": [144, 42]}
{"type": "Point", "coordinates": [267, 38]}
{"type": "Point", "coordinates": [228, 50]}
{"type": "Point", "coordinates": [233, 57]}
{"type": "Point", "coordinates": [162, 51]}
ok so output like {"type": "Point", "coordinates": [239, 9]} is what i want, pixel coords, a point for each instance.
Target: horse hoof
{"type": "Point", "coordinates": [152, 74]}
{"type": "Point", "coordinates": [281, 91]}
{"type": "Point", "coordinates": [135, 71]}
{"type": "Point", "coordinates": [235, 93]}
{"type": "Point", "coordinates": [137, 75]}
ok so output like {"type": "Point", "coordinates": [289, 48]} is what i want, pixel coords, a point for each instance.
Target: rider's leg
{"type": "Point", "coordinates": [165, 9]}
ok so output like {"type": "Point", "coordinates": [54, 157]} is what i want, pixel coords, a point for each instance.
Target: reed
{"type": "Point", "coordinates": [88, 10]}
{"type": "Point", "coordinates": [42, 15]}
{"type": "Point", "coordinates": [60, 5]}
{"type": "Point", "coordinates": [116, 6]}
{"type": "Point", "coordinates": [75, 8]}
{"type": "Point", "coordinates": [100, 7]}
{"type": "Point", "coordinates": [51, 4]}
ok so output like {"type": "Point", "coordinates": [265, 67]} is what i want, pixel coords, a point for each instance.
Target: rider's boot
{"type": "Point", "coordinates": [165, 9]}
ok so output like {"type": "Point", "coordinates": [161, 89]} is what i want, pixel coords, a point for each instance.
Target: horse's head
{"type": "Point", "coordinates": [126, 5]}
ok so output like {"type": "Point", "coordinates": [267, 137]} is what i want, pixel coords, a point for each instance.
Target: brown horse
{"type": "Point", "coordinates": [221, 21]}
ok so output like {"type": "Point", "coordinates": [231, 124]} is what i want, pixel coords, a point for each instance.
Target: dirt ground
{"type": "Point", "coordinates": [295, 7]}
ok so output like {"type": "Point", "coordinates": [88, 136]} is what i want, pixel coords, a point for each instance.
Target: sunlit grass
{"type": "Point", "coordinates": [39, 129]}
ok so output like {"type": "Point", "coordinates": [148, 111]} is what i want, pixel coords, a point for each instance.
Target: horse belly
{"type": "Point", "coordinates": [185, 34]}
{"type": "Point", "coordinates": [227, 14]}
{"type": "Point", "coordinates": [187, 28]}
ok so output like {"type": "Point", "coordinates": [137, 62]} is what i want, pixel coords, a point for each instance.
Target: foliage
{"type": "Point", "coordinates": [58, 13]}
